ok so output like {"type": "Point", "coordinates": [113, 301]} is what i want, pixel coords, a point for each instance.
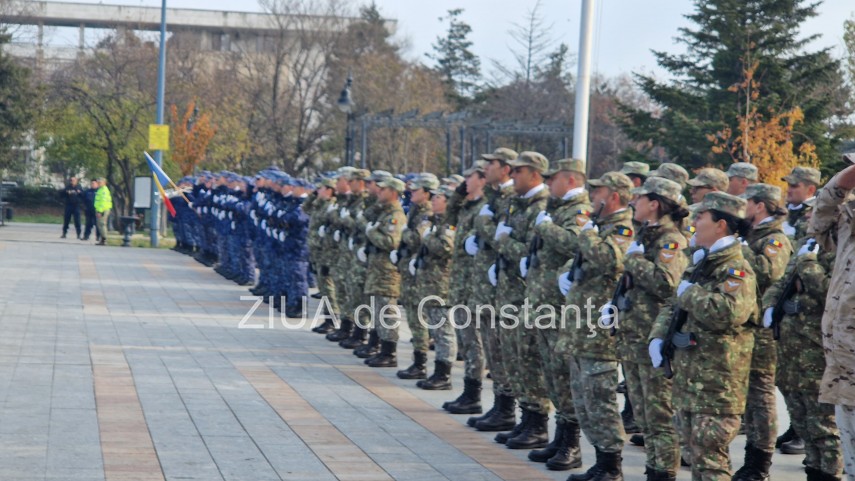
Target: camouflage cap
{"type": "Point", "coordinates": [566, 165]}
{"type": "Point", "coordinates": [613, 180]}
{"type": "Point", "coordinates": [744, 170]}
{"type": "Point", "coordinates": [378, 175]}
{"type": "Point", "coordinates": [661, 187]}
{"type": "Point", "coordinates": [808, 175]}
{"type": "Point", "coordinates": [764, 193]}
{"type": "Point", "coordinates": [359, 174]}
{"type": "Point", "coordinates": [721, 202]}
{"type": "Point", "coordinates": [327, 182]}
{"type": "Point", "coordinates": [345, 170]}
{"type": "Point", "coordinates": [671, 171]}
{"type": "Point", "coordinates": [477, 167]}
{"type": "Point", "coordinates": [443, 190]}
{"type": "Point", "coordinates": [535, 160]}
{"type": "Point", "coordinates": [635, 168]}
{"type": "Point", "coordinates": [810, 202]}
{"type": "Point", "coordinates": [710, 177]}
{"type": "Point", "coordinates": [453, 179]}
{"type": "Point", "coordinates": [425, 180]}
{"type": "Point", "coordinates": [392, 183]}
{"type": "Point", "coordinates": [502, 154]}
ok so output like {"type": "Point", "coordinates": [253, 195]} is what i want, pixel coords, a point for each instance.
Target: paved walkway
{"type": "Point", "coordinates": [129, 364]}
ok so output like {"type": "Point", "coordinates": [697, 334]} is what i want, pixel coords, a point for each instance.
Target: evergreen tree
{"type": "Point", "coordinates": [459, 66]}
{"type": "Point", "coordinates": [728, 38]}
{"type": "Point", "coordinates": [17, 97]}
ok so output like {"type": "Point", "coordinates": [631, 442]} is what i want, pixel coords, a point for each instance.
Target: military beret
{"type": "Point", "coordinates": [392, 183]}
{"type": "Point", "coordinates": [613, 180]}
{"type": "Point", "coordinates": [566, 165]}
{"type": "Point", "coordinates": [721, 202]}
{"type": "Point", "coordinates": [502, 154]}
{"type": "Point", "coordinates": [671, 171]}
{"type": "Point", "coordinates": [807, 175]}
{"type": "Point", "coordinates": [661, 187]}
{"type": "Point", "coordinates": [744, 170]}
{"type": "Point", "coordinates": [635, 168]}
{"type": "Point", "coordinates": [710, 177]}
{"type": "Point", "coordinates": [534, 160]}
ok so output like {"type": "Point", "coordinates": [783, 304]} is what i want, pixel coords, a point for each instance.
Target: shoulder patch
{"type": "Point", "coordinates": [732, 284]}
{"type": "Point", "coordinates": [773, 247]}
{"type": "Point", "coordinates": [690, 229]}
{"type": "Point", "coordinates": [623, 235]}
{"type": "Point", "coordinates": [582, 217]}
{"type": "Point", "coordinates": [668, 252]}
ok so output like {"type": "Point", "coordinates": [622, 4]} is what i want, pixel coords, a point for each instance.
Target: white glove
{"type": "Point", "coordinates": [343, 212]}
{"type": "Point", "coordinates": [336, 236]}
{"type": "Point", "coordinates": [744, 242]}
{"type": "Point", "coordinates": [281, 237]}
{"type": "Point", "coordinates": [350, 243]}
{"type": "Point", "coordinates": [485, 211]}
{"type": "Point", "coordinates": [230, 215]}
{"type": "Point", "coordinates": [471, 246]}
{"type": "Point", "coordinates": [269, 234]}
{"type": "Point", "coordinates": [804, 250]}
{"type": "Point", "coordinates": [427, 232]}
{"type": "Point", "coordinates": [502, 229]}
{"type": "Point", "coordinates": [789, 230]}
{"type": "Point", "coordinates": [564, 283]}
{"type": "Point", "coordinates": [590, 225]}
{"type": "Point", "coordinates": [360, 254]}
{"type": "Point", "coordinates": [767, 317]}
{"type": "Point", "coordinates": [698, 256]}
{"type": "Point", "coordinates": [393, 256]}
{"type": "Point", "coordinates": [370, 226]}
{"type": "Point", "coordinates": [524, 267]}
{"type": "Point", "coordinates": [359, 215]}
{"type": "Point", "coordinates": [233, 225]}
{"type": "Point", "coordinates": [542, 217]}
{"type": "Point", "coordinates": [635, 248]}
{"type": "Point", "coordinates": [608, 314]}
{"type": "Point", "coordinates": [683, 286]}
{"type": "Point", "coordinates": [491, 275]}
{"type": "Point", "coordinates": [252, 214]}
{"type": "Point", "coordinates": [330, 207]}
{"type": "Point", "coordinates": [412, 266]}
{"type": "Point", "coordinates": [655, 351]}
{"type": "Point", "coordinates": [693, 241]}
{"type": "Point", "coordinates": [322, 230]}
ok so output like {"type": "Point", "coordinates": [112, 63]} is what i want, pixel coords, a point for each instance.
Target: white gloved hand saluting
{"type": "Point", "coordinates": [767, 317]}
{"type": "Point", "coordinates": [654, 349]}
{"type": "Point", "coordinates": [491, 275]}
{"type": "Point", "coordinates": [524, 267]}
{"type": "Point", "coordinates": [590, 225]}
{"type": "Point", "coordinates": [412, 266]}
{"type": "Point", "coordinates": [336, 236]}
{"type": "Point", "coordinates": [471, 245]}
{"type": "Point", "coordinates": [805, 249]}
{"type": "Point", "coordinates": [502, 229]}
{"type": "Point", "coordinates": [683, 286]}
{"type": "Point", "coordinates": [635, 248]}
{"type": "Point", "coordinates": [393, 256]}
{"type": "Point", "coordinates": [360, 254]}
{"type": "Point", "coordinates": [564, 283]}
{"type": "Point", "coordinates": [485, 211]}
{"type": "Point", "coordinates": [542, 217]}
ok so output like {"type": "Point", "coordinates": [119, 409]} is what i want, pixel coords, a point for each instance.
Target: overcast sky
{"type": "Point", "coordinates": [626, 30]}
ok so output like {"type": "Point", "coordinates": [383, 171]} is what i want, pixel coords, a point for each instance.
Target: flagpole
{"type": "Point", "coordinates": [583, 83]}
{"type": "Point", "coordinates": [158, 154]}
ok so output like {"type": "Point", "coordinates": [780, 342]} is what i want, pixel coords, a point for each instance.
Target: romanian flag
{"type": "Point", "coordinates": [624, 231]}
{"type": "Point", "coordinates": [775, 243]}
{"type": "Point", "coordinates": [736, 273]}
{"type": "Point", "coordinates": [671, 246]}
{"type": "Point", "coordinates": [160, 178]}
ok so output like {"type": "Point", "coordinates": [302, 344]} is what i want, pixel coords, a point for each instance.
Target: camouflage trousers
{"type": "Point", "coordinates": [326, 287]}
{"type": "Point", "coordinates": [471, 345]}
{"type": "Point", "coordinates": [418, 327]}
{"type": "Point", "coordinates": [491, 338]}
{"type": "Point", "coordinates": [352, 277]}
{"type": "Point", "coordinates": [650, 394]}
{"type": "Point", "coordinates": [509, 351]}
{"type": "Point", "coordinates": [761, 414]}
{"type": "Point", "coordinates": [386, 315]}
{"type": "Point", "coordinates": [709, 437]}
{"type": "Point", "coordinates": [528, 379]}
{"type": "Point", "coordinates": [814, 423]}
{"type": "Point", "coordinates": [594, 384]}
{"type": "Point", "coordinates": [556, 373]}
{"type": "Point", "coordinates": [444, 335]}
{"type": "Point", "coordinates": [845, 416]}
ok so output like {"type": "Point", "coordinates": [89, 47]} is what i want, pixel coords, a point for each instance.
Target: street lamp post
{"type": "Point", "coordinates": [158, 155]}
{"type": "Point", "coordinates": [346, 105]}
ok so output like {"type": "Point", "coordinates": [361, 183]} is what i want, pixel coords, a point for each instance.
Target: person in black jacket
{"type": "Point", "coordinates": [89, 210]}
{"type": "Point", "coordinates": [73, 196]}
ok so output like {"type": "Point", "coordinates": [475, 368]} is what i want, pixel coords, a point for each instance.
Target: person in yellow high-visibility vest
{"type": "Point", "coordinates": [103, 205]}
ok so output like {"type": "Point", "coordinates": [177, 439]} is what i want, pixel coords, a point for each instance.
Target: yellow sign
{"type": "Point", "coordinates": [158, 137]}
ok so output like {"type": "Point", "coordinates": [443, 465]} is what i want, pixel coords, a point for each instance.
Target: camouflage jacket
{"type": "Point", "coordinates": [418, 221]}
{"type": "Point", "coordinates": [433, 262]}
{"type": "Point", "coordinates": [797, 222]}
{"type": "Point", "coordinates": [462, 264]}
{"type": "Point", "coordinates": [313, 207]}
{"type": "Point", "coordinates": [522, 213]}
{"type": "Point", "coordinates": [484, 229]}
{"type": "Point", "coordinates": [382, 278]}
{"type": "Point", "coordinates": [602, 264]}
{"type": "Point", "coordinates": [712, 378]}
{"type": "Point", "coordinates": [768, 252]}
{"type": "Point", "coordinates": [327, 246]}
{"type": "Point", "coordinates": [654, 277]}
{"type": "Point", "coordinates": [557, 244]}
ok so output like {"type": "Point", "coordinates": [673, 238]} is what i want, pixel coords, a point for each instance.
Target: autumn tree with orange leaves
{"type": "Point", "coordinates": [190, 137]}
{"type": "Point", "coordinates": [765, 140]}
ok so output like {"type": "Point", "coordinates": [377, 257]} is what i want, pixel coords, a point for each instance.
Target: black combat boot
{"type": "Point", "coordinates": [371, 349]}
{"type": "Point", "coordinates": [637, 439]}
{"type": "Point", "coordinates": [628, 417]}
{"type": "Point", "coordinates": [661, 476]}
{"type": "Point", "coordinates": [356, 339]}
{"type": "Point", "coordinates": [535, 435]}
{"type": "Point", "coordinates": [325, 328]}
{"type": "Point", "coordinates": [502, 438]}
{"type": "Point", "coordinates": [472, 421]}
{"type": "Point", "coordinates": [343, 331]}
{"type": "Point", "coordinates": [568, 455]}
{"type": "Point", "coordinates": [418, 369]}
{"type": "Point", "coordinates": [503, 418]}
{"type": "Point", "coordinates": [756, 467]}
{"type": "Point", "coordinates": [610, 468]}
{"type": "Point", "coordinates": [788, 436]}
{"type": "Point", "coordinates": [794, 446]}
{"type": "Point", "coordinates": [814, 474]}
{"type": "Point", "coordinates": [440, 380]}
{"type": "Point", "coordinates": [470, 401]}
{"type": "Point", "coordinates": [593, 471]}
{"type": "Point", "coordinates": [387, 357]}
{"type": "Point", "coordinates": [543, 455]}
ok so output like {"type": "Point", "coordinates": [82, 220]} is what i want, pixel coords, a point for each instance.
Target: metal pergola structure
{"type": "Point", "coordinates": [463, 125]}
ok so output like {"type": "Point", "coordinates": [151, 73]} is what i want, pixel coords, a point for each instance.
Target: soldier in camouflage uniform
{"type": "Point", "coordinates": [708, 180]}
{"type": "Point", "coordinates": [480, 245]}
{"type": "Point", "coordinates": [767, 249]}
{"type": "Point", "coordinates": [711, 379]}
{"type": "Point", "coordinates": [557, 229]}
{"type": "Point", "coordinates": [383, 282]}
{"type": "Point", "coordinates": [636, 171]}
{"type": "Point", "coordinates": [673, 172]}
{"type": "Point", "coordinates": [654, 264]}
{"type": "Point", "coordinates": [741, 175]}
{"type": "Point", "coordinates": [802, 184]}
{"type": "Point", "coordinates": [432, 267]}
{"type": "Point", "coordinates": [591, 352]}
{"type": "Point", "coordinates": [518, 341]}
{"type": "Point", "coordinates": [801, 360]}
{"type": "Point", "coordinates": [343, 258]}
{"type": "Point", "coordinates": [418, 222]}
{"type": "Point", "coordinates": [318, 205]}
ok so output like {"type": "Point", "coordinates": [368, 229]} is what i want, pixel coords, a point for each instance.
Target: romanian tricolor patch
{"type": "Point", "coordinates": [672, 246]}
{"type": "Point", "coordinates": [773, 248]}
{"type": "Point", "coordinates": [690, 229]}
{"type": "Point", "coordinates": [736, 273]}
{"type": "Point", "coordinates": [624, 231]}
{"type": "Point", "coordinates": [582, 217]}
{"type": "Point", "coordinates": [775, 243]}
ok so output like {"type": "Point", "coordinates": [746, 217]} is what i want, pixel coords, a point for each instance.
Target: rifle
{"type": "Point", "coordinates": [619, 300]}
{"type": "Point", "coordinates": [675, 339]}
{"type": "Point", "coordinates": [501, 262]}
{"type": "Point", "coordinates": [779, 309]}
{"type": "Point", "coordinates": [576, 267]}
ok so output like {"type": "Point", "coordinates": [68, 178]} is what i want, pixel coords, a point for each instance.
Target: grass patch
{"type": "Point", "coordinates": [140, 240]}
{"type": "Point", "coordinates": [37, 219]}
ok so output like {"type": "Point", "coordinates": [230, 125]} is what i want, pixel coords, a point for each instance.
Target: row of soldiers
{"type": "Point", "coordinates": [692, 290]}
